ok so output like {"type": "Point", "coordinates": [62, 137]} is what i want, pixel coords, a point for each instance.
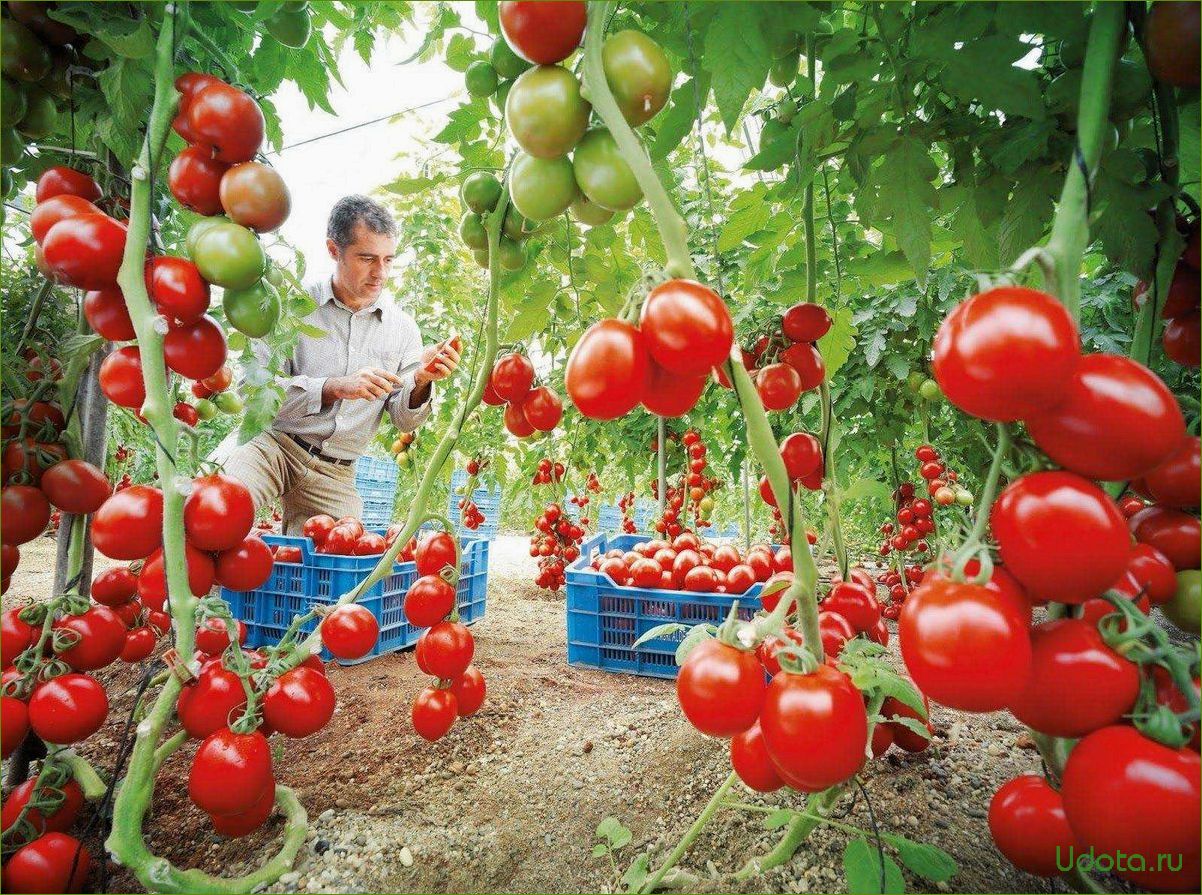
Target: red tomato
{"type": "Point", "coordinates": [701, 579]}
{"type": "Point", "coordinates": [435, 551]}
{"type": "Point", "coordinates": [59, 180]}
{"type": "Point", "coordinates": [779, 386]}
{"type": "Point", "coordinates": [802, 454]}
{"type": "Point", "coordinates": [644, 573]}
{"type": "Point", "coordinates": [543, 32]}
{"type": "Point", "coordinates": [188, 85]}
{"type": "Point", "coordinates": [512, 376]}
{"type": "Point", "coordinates": [300, 702]}
{"type": "Point", "coordinates": [671, 394]}
{"type": "Point", "coordinates": [434, 711]}
{"type": "Point", "coordinates": [46, 214]}
{"type": "Point", "coordinates": [139, 644]}
{"type": "Point", "coordinates": [516, 422]}
{"type": "Point", "coordinates": [685, 561]}
{"type": "Point", "coordinates": [177, 289]}
{"type": "Point", "coordinates": [245, 823]}
{"type": "Point", "coordinates": [1117, 420]}
{"type": "Point", "coordinates": [16, 635]}
{"type": "Point", "coordinates": [115, 586]}
{"type": "Point", "coordinates": [1123, 791]}
{"type": "Point", "coordinates": [215, 700]}
{"type": "Point", "coordinates": [854, 603]}
{"type": "Point", "coordinates": [350, 631]}
{"type": "Point", "coordinates": [448, 649]}
{"type": "Point", "coordinates": [815, 728]}
{"type": "Point", "coordinates": [687, 327]}
{"type": "Point", "coordinates": [469, 689]}
{"type": "Point", "coordinates": [213, 637]}
{"type": "Point", "coordinates": [130, 523]}
{"type": "Point", "coordinates": [370, 544]}
{"type": "Point", "coordinates": [228, 121]}
{"type": "Point", "coordinates": [219, 381]}
{"type": "Point", "coordinates": [608, 371]}
{"type": "Point", "coordinates": [14, 724]}
{"type": "Point", "coordinates": [906, 738]}
{"type": "Point", "coordinates": [749, 758]}
{"type": "Point", "coordinates": [76, 486]}
{"type": "Point", "coordinates": [121, 377]}
{"type": "Point", "coordinates": [1027, 822]}
{"type": "Point", "coordinates": [317, 528]}
{"type": "Point", "coordinates": [101, 638]}
{"type": "Point", "coordinates": [69, 708]}
{"type": "Point", "coordinates": [1006, 353]}
{"type": "Point", "coordinates": [740, 578]}
{"type": "Point", "coordinates": [428, 601]}
{"type": "Point", "coordinates": [54, 862]}
{"type": "Point", "coordinates": [1060, 535]}
{"type": "Point", "coordinates": [152, 580]}
{"type": "Point", "coordinates": [57, 821]}
{"type": "Point", "coordinates": [245, 567]}
{"type": "Point", "coordinates": [24, 512]}
{"type": "Point", "coordinates": [195, 350]}
{"type": "Point", "coordinates": [1077, 683]}
{"type": "Point", "coordinates": [760, 562]}
{"type": "Point", "coordinates": [542, 408]}
{"type": "Point", "coordinates": [1177, 481]}
{"type": "Point", "coordinates": [805, 322]}
{"type": "Point", "coordinates": [85, 251]}
{"type": "Point", "coordinates": [1182, 339]}
{"type": "Point", "coordinates": [1153, 573]}
{"type": "Point", "coordinates": [230, 772]}
{"type": "Point", "coordinates": [1168, 695]}
{"type": "Point", "coordinates": [720, 688]}
{"type": "Point", "coordinates": [1172, 532]}
{"type": "Point", "coordinates": [194, 179]}
{"type": "Point", "coordinates": [219, 512]}
{"type": "Point", "coordinates": [288, 554]}
{"type": "Point", "coordinates": [1000, 582]}
{"type": "Point", "coordinates": [341, 540]}
{"type": "Point", "coordinates": [807, 361]}
{"type": "Point", "coordinates": [965, 646]}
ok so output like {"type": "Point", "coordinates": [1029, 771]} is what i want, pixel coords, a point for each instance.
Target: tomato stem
{"type": "Point", "coordinates": [661, 462]}
{"type": "Point", "coordinates": [988, 491]}
{"type": "Point", "coordinates": [804, 823]}
{"type": "Point", "coordinates": [694, 831]}
{"type": "Point", "coordinates": [830, 481]}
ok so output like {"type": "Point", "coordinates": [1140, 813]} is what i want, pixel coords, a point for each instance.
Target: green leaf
{"type": "Point", "coordinates": [779, 818]}
{"type": "Point", "coordinates": [664, 630]}
{"type": "Point", "coordinates": [840, 340]}
{"type": "Point", "coordinates": [1028, 214]}
{"type": "Point", "coordinates": [694, 637]}
{"type": "Point", "coordinates": [308, 329]}
{"type": "Point", "coordinates": [461, 52]}
{"type": "Point", "coordinates": [866, 489]}
{"type": "Point", "coordinates": [675, 122]}
{"type": "Point", "coordinates": [637, 874]}
{"type": "Point", "coordinates": [737, 58]}
{"type": "Point", "coordinates": [982, 70]}
{"type": "Point", "coordinates": [408, 186]}
{"type": "Point", "coordinates": [1126, 230]}
{"type": "Point", "coordinates": [980, 246]}
{"type": "Point", "coordinates": [607, 827]}
{"type": "Point", "coordinates": [928, 861]}
{"type": "Point", "coordinates": [906, 197]}
{"type": "Point", "coordinates": [748, 213]}
{"type": "Point", "coordinates": [600, 849]}
{"type": "Point", "coordinates": [862, 865]}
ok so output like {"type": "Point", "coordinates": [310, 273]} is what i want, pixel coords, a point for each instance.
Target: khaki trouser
{"type": "Point", "coordinates": [274, 467]}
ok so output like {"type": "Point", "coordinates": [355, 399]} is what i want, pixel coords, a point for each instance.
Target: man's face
{"type": "Point", "coordinates": [362, 267]}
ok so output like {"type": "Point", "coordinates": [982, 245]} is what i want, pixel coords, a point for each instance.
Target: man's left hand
{"type": "Point", "coordinates": [438, 362]}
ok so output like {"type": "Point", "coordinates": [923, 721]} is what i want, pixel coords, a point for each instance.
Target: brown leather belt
{"type": "Point", "coordinates": [316, 452]}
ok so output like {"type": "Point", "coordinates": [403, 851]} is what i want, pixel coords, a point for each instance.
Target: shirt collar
{"type": "Point", "coordinates": [327, 296]}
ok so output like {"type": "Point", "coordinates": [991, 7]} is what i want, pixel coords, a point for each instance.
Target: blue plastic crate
{"type": "Point", "coordinates": [488, 501]}
{"type": "Point", "coordinates": [320, 579]}
{"type": "Point", "coordinates": [376, 482]}
{"type": "Point", "coordinates": [377, 512]}
{"type": "Point", "coordinates": [609, 518]}
{"type": "Point", "coordinates": [605, 619]}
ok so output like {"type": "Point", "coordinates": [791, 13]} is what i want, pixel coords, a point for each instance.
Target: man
{"type": "Point", "coordinates": [338, 386]}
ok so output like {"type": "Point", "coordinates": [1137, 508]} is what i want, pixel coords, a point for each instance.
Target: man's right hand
{"type": "Point", "coordinates": [370, 383]}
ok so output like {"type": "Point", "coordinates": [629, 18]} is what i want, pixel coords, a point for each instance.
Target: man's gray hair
{"type": "Point", "coordinates": [349, 210]}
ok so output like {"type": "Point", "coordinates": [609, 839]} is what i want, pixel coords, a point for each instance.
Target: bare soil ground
{"type": "Point", "coordinates": [510, 799]}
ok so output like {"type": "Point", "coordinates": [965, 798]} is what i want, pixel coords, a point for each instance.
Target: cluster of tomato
{"type": "Point", "coordinates": [548, 473]}
{"type": "Point", "coordinates": [969, 641]}
{"type": "Point", "coordinates": [626, 504]}
{"type": "Point", "coordinates": [344, 537]}
{"type": "Point", "coordinates": [528, 408]}
{"type": "Point", "coordinates": [400, 447]}
{"type": "Point", "coordinates": [899, 582]}
{"type": "Point", "coordinates": [1181, 337]}
{"type": "Point", "coordinates": [786, 362]}
{"type": "Point", "coordinates": [479, 194]}
{"type": "Point", "coordinates": [445, 650]}
{"type": "Point", "coordinates": [556, 542]}
{"type": "Point", "coordinates": [688, 563]}
{"type": "Point", "coordinates": [694, 484]}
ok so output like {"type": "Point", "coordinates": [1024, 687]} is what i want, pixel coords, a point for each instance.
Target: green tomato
{"type": "Point", "coordinates": [12, 147]}
{"type": "Point", "coordinates": [1132, 88]}
{"type": "Point", "coordinates": [472, 232]}
{"type": "Point", "coordinates": [786, 109]}
{"type": "Point", "coordinates": [274, 276]}
{"type": "Point", "coordinates": [602, 174]}
{"type": "Point", "coordinates": [915, 380]}
{"type": "Point", "coordinates": [783, 71]}
{"type": "Point", "coordinates": [229, 255]}
{"type": "Point", "coordinates": [501, 95]}
{"type": "Point", "coordinates": [1072, 53]}
{"type": "Point", "coordinates": [253, 311]}
{"type": "Point", "coordinates": [1064, 93]}
{"type": "Point", "coordinates": [782, 43]}
{"type": "Point", "coordinates": [515, 226]}
{"type": "Point", "coordinates": [205, 409]}
{"type": "Point", "coordinates": [480, 79]}
{"type": "Point", "coordinates": [41, 114]}
{"type": "Point", "coordinates": [22, 55]}
{"type": "Point", "coordinates": [772, 131]}
{"type": "Point", "coordinates": [511, 254]}
{"type": "Point", "coordinates": [638, 74]}
{"type": "Point", "coordinates": [291, 28]}
{"type": "Point", "coordinates": [546, 113]}
{"type": "Point", "coordinates": [1183, 608]}
{"type": "Point", "coordinates": [402, 459]}
{"type": "Point", "coordinates": [198, 229]}
{"type": "Point", "coordinates": [481, 256]}
{"type": "Point", "coordinates": [929, 390]}
{"type": "Point", "coordinates": [541, 188]}
{"type": "Point", "coordinates": [964, 497]}
{"type": "Point", "coordinates": [589, 213]}
{"type": "Point", "coordinates": [507, 63]}
{"type": "Point", "coordinates": [706, 505]}
{"type": "Point", "coordinates": [480, 192]}
{"type": "Point", "coordinates": [227, 402]}
{"type": "Point", "coordinates": [12, 103]}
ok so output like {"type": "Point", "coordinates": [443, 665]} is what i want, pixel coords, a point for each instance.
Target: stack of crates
{"type": "Point", "coordinates": [488, 501]}
{"type": "Point", "coordinates": [376, 481]}
{"type": "Point", "coordinates": [605, 619]}
{"type": "Point", "coordinates": [320, 579]}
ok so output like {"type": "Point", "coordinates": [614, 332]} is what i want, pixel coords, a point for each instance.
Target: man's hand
{"type": "Point", "coordinates": [438, 362]}
{"type": "Point", "coordinates": [370, 383]}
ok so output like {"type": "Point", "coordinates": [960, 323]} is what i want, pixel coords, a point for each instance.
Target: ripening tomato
{"type": "Point", "coordinates": [219, 512]}
{"type": "Point", "coordinates": [1028, 825]}
{"type": "Point", "coordinates": [46, 214]}
{"type": "Point", "coordinates": [255, 196]}
{"type": "Point", "coordinates": [177, 289]}
{"type": "Point", "coordinates": [1060, 535]}
{"type": "Point", "coordinates": [227, 121]}
{"type": "Point", "coordinates": [68, 708]}
{"type": "Point", "coordinates": [542, 408]}
{"type": "Point", "coordinates": [230, 772]}
{"type": "Point", "coordinates": [965, 646]}
{"type": "Point", "coordinates": [778, 385]}
{"type": "Point", "coordinates": [300, 702]}
{"type": "Point", "coordinates": [434, 711]}
{"type": "Point", "coordinates": [85, 251]}
{"type": "Point", "coordinates": [1171, 43]}
{"type": "Point", "coordinates": [638, 74]}
{"type": "Point", "coordinates": [1006, 353]}
{"type": "Point", "coordinates": [720, 688]}
{"type": "Point", "coordinates": [1077, 683]}
{"type": "Point", "coordinates": [76, 486]}
{"type": "Point", "coordinates": [428, 601]}
{"type": "Point", "coordinates": [435, 551]}
{"type": "Point", "coordinates": [469, 690]}
{"type": "Point", "coordinates": [815, 728]}
{"type": "Point", "coordinates": [1177, 481]}
{"type": "Point", "coordinates": [1175, 534]}
{"type": "Point", "coordinates": [687, 327]}
{"type": "Point", "coordinates": [1125, 792]}
{"type": "Point", "coordinates": [609, 370]}
{"type": "Point", "coordinates": [108, 316]}
{"type": "Point", "coordinates": [749, 759]}
{"type": "Point", "coordinates": [543, 32]}
{"type": "Point", "coordinates": [130, 523]}
{"type": "Point", "coordinates": [545, 111]}
{"type": "Point", "coordinates": [1117, 421]}
{"type": "Point", "coordinates": [121, 377]}
{"type": "Point", "coordinates": [54, 862]}
{"type": "Point", "coordinates": [350, 631]}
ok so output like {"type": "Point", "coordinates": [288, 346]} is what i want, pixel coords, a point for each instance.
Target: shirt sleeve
{"type": "Point", "coordinates": [302, 394]}
{"type": "Point", "coordinates": [404, 417]}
